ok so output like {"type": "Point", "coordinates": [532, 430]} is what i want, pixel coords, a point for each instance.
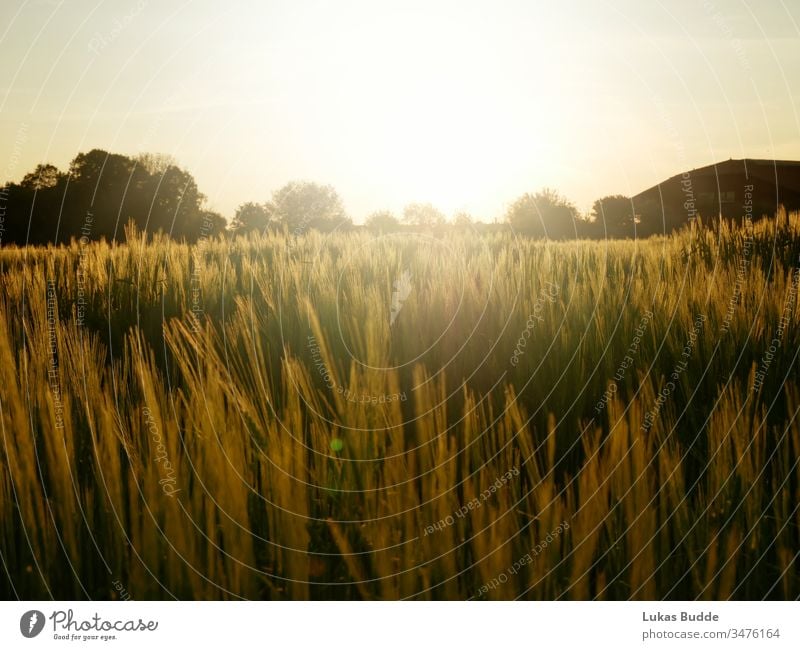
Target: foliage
{"type": "Point", "coordinates": [612, 216]}
{"type": "Point", "coordinates": [422, 214]}
{"type": "Point", "coordinates": [252, 217]}
{"type": "Point", "coordinates": [382, 221]}
{"type": "Point", "coordinates": [301, 205]}
{"type": "Point", "coordinates": [100, 194]}
{"type": "Point", "coordinates": [463, 220]}
{"type": "Point", "coordinates": [544, 214]}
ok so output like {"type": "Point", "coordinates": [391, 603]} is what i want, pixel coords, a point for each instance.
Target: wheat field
{"type": "Point", "coordinates": [352, 416]}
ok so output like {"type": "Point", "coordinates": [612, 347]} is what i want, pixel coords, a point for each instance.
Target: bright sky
{"type": "Point", "coordinates": [463, 103]}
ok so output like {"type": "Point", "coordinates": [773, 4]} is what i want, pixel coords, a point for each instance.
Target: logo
{"type": "Point", "coordinates": [402, 289]}
{"type": "Point", "coordinates": [31, 623]}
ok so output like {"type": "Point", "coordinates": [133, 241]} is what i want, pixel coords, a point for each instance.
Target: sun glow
{"type": "Point", "coordinates": [462, 104]}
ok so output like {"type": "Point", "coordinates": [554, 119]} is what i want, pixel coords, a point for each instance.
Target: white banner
{"type": "Point", "coordinates": [401, 625]}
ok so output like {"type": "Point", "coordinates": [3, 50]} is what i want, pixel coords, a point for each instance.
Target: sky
{"type": "Point", "coordinates": [466, 104]}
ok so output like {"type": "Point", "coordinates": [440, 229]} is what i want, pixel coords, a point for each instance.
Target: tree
{"type": "Point", "coordinates": [212, 223]}
{"type": "Point", "coordinates": [103, 186]}
{"type": "Point", "coordinates": [177, 204]}
{"type": "Point", "coordinates": [382, 221]}
{"type": "Point", "coordinates": [613, 215]}
{"type": "Point", "coordinates": [252, 216]}
{"type": "Point", "coordinates": [543, 214]}
{"type": "Point", "coordinates": [101, 193]}
{"type": "Point", "coordinates": [301, 205]}
{"type": "Point", "coordinates": [463, 220]}
{"type": "Point", "coordinates": [43, 177]}
{"type": "Point", "coordinates": [155, 163]}
{"type": "Point", "coordinates": [422, 214]}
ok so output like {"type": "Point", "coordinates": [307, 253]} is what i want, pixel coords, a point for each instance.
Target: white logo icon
{"type": "Point", "coordinates": [31, 623]}
{"type": "Point", "coordinates": [402, 289]}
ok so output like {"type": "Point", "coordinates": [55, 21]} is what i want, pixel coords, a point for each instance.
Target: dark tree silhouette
{"type": "Point", "coordinates": [212, 223]}
{"type": "Point", "coordinates": [544, 214]}
{"type": "Point", "coordinates": [43, 177]}
{"type": "Point", "coordinates": [612, 216]}
{"type": "Point", "coordinates": [100, 194]}
{"type": "Point", "coordinates": [177, 204]}
{"type": "Point", "coordinates": [33, 207]}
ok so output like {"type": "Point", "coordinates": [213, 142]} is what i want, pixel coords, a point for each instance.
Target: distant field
{"type": "Point", "coordinates": [354, 416]}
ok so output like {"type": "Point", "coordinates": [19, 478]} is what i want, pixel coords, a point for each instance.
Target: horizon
{"type": "Point", "coordinates": [449, 218]}
{"type": "Point", "coordinates": [455, 104]}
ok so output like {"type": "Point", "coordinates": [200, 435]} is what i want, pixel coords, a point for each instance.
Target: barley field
{"type": "Point", "coordinates": [406, 416]}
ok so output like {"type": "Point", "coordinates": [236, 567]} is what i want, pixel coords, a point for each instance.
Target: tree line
{"type": "Point", "coordinates": [101, 192]}
{"type": "Point", "coordinates": [302, 205]}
